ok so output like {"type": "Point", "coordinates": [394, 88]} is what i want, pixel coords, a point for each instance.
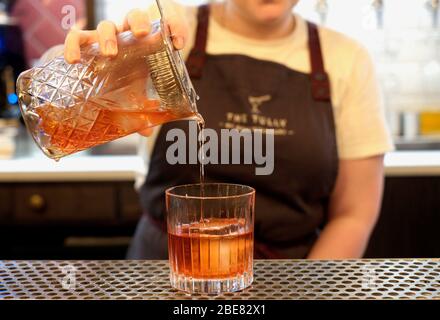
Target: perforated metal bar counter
{"type": "Point", "coordinates": [274, 279]}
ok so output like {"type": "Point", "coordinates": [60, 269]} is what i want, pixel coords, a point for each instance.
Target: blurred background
{"type": "Point", "coordinates": [86, 206]}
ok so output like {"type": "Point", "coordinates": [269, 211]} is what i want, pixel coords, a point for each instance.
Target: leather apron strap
{"type": "Point", "coordinates": [197, 56]}
{"type": "Point", "coordinates": [319, 78]}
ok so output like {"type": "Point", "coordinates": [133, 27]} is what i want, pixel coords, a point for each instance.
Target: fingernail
{"type": "Point", "coordinates": [74, 56]}
{"type": "Point", "coordinates": [111, 47]}
{"type": "Point", "coordinates": [142, 30]}
{"type": "Point", "coordinates": [178, 42]}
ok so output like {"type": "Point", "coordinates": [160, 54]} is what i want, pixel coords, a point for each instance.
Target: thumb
{"type": "Point", "coordinates": [179, 31]}
{"type": "Point", "coordinates": [175, 19]}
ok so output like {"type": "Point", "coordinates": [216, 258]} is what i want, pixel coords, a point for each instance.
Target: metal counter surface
{"type": "Point", "coordinates": [273, 279]}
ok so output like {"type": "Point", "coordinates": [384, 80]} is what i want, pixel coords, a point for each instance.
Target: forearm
{"type": "Point", "coordinates": [353, 210]}
{"type": "Point", "coordinates": [342, 238]}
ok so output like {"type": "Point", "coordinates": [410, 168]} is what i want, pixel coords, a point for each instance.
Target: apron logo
{"type": "Point", "coordinates": [256, 102]}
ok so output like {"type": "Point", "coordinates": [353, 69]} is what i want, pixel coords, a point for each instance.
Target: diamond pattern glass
{"type": "Point", "coordinates": [72, 107]}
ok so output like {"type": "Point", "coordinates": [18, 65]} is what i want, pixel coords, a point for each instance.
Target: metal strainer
{"type": "Point", "coordinates": [168, 72]}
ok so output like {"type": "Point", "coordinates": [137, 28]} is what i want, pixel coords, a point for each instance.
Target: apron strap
{"type": "Point", "coordinates": [319, 78]}
{"type": "Point", "coordinates": [197, 56]}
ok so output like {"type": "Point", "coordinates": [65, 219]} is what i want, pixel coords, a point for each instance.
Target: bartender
{"type": "Point", "coordinates": [258, 58]}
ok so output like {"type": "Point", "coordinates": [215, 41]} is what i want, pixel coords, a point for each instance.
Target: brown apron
{"type": "Point", "coordinates": [291, 203]}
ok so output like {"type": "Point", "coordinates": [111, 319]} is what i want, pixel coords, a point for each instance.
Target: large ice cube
{"type": "Point", "coordinates": [221, 226]}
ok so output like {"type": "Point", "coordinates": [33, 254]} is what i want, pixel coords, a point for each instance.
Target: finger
{"type": "Point", "coordinates": [179, 31]}
{"type": "Point", "coordinates": [138, 22]}
{"type": "Point", "coordinates": [175, 18]}
{"type": "Point", "coordinates": [74, 40]}
{"type": "Point", "coordinates": [108, 43]}
{"type": "Point", "coordinates": [146, 132]}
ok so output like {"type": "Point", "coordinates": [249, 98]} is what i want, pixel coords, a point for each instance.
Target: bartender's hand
{"type": "Point", "coordinates": [137, 21]}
